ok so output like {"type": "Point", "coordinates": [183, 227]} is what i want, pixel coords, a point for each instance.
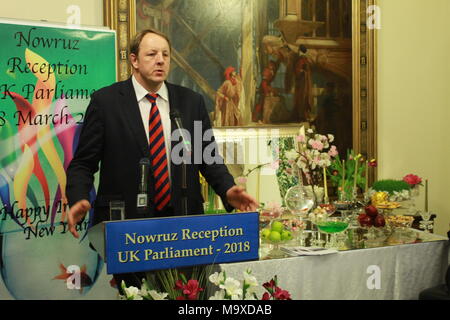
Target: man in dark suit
{"type": "Point", "coordinates": [116, 135]}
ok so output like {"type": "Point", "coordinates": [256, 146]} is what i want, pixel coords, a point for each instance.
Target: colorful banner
{"type": "Point", "coordinates": [47, 74]}
{"type": "Point", "coordinates": [165, 243]}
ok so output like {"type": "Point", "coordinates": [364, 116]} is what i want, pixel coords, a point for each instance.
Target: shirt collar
{"type": "Point", "coordinates": [141, 92]}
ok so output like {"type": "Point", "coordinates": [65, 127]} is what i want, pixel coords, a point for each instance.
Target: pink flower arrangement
{"type": "Point", "coordinates": [412, 180]}
{"type": "Point", "coordinates": [313, 153]}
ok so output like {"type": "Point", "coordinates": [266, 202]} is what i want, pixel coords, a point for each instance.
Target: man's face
{"type": "Point", "coordinates": [152, 63]}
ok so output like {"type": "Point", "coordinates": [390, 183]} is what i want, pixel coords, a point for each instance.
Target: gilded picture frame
{"type": "Point", "coordinates": [122, 15]}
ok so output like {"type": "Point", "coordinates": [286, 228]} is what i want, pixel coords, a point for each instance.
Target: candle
{"type": "Point", "coordinates": [356, 173]}
{"type": "Point", "coordinates": [367, 177]}
{"type": "Point", "coordinates": [343, 177]}
{"type": "Point", "coordinates": [258, 183]}
{"type": "Point", "coordinates": [325, 184]}
{"type": "Point", "coordinates": [426, 195]}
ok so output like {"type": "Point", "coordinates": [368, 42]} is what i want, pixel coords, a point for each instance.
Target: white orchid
{"type": "Point", "coordinates": [249, 279]}
{"type": "Point", "coordinates": [217, 278]}
{"type": "Point", "coordinates": [150, 294]}
{"type": "Point", "coordinates": [232, 288]}
{"type": "Point", "coordinates": [131, 293]}
{"type": "Point", "coordinates": [158, 295]}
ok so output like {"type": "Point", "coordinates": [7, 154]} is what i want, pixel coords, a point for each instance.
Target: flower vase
{"type": "Point", "coordinates": [414, 193]}
{"type": "Point", "coordinates": [315, 192]}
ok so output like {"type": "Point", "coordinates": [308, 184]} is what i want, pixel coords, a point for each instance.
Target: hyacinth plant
{"type": "Point", "coordinates": [342, 173]}
{"type": "Point", "coordinates": [314, 152]}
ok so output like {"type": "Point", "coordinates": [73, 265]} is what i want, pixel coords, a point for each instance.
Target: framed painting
{"type": "Point", "coordinates": [267, 63]}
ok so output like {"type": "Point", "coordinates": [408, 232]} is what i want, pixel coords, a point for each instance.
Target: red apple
{"type": "Point", "coordinates": [364, 220]}
{"type": "Point", "coordinates": [371, 211]}
{"type": "Point", "coordinates": [379, 221]}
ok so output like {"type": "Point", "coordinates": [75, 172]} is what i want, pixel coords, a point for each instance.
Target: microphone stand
{"type": "Point", "coordinates": [184, 188]}
{"type": "Point", "coordinates": [175, 116]}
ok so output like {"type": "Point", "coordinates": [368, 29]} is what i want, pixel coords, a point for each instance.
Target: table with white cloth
{"type": "Point", "coordinates": [390, 272]}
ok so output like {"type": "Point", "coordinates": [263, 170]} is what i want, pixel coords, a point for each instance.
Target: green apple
{"type": "Point", "coordinates": [275, 236]}
{"type": "Point", "coordinates": [265, 233]}
{"type": "Point", "coordinates": [277, 226]}
{"type": "Point", "coordinates": [286, 235]}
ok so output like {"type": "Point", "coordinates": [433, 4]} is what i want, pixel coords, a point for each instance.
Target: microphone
{"type": "Point", "coordinates": [175, 116]}
{"type": "Point", "coordinates": [144, 168]}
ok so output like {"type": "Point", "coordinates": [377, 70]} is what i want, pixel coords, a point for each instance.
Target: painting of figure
{"type": "Point", "coordinates": [262, 62]}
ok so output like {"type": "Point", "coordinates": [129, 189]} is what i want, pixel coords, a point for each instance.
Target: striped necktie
{"type": "Point", "coordinates": [158, 157]}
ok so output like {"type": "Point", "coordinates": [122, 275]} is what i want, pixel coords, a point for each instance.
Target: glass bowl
{"type": "Point", "coordinates": [279, 232]}
{"type": "Point", "coordinates": [298, 201]}
{"type": "Point", "coordinates": [333, 225]}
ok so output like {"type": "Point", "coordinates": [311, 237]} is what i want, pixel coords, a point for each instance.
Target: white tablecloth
{"type": "Point", "coordinates": [405, 270]}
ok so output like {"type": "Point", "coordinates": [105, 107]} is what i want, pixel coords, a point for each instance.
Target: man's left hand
{"type": "Point", "coordinates": [238, 198]}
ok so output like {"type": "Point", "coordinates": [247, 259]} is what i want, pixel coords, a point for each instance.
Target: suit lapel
{"type": "Point", "coordinates": [131, 113]}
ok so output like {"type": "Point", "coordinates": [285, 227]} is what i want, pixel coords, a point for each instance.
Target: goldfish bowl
{"type": "Point", "coordinates": [298, 201]}
{"type": "Point", "coordinates": [44, 263]}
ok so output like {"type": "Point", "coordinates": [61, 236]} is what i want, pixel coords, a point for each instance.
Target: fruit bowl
{"type": "Point", "coordinates": [400, 221]}
{"type": "Point", "coordinates": [371, 218]}
{"type": "Point", "coordinates": [278, 231]}
{"type": "Point", "coordinates": [399, 227]}
{"type": "Point", "coordinates": [276, 234]}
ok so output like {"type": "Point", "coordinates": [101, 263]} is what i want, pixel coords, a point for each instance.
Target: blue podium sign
{"type": "Point", "coordinates": [164, 243]}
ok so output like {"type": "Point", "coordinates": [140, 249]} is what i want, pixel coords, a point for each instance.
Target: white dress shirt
{"type": "Point", "coordinates": [164, 110]}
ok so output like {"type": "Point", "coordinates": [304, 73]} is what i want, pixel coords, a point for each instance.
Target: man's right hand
{"type": "Point", "coordinates": [76, 213]}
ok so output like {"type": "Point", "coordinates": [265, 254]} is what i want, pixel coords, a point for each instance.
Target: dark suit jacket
{"type": "Point", "coordinates": [113, 136]}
